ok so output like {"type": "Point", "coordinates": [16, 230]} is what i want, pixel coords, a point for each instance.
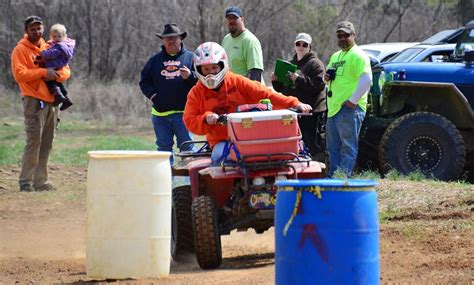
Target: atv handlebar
{"type": "Point", "coordinates": [222, 120]}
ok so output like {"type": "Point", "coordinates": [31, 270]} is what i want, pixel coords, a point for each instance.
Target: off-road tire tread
{"type": "Point", "coordinates": [389, 158]}
{"type": "Point", "coordinates": [207, 238]}
{"type": "Point", "coordinates": [182, 201]}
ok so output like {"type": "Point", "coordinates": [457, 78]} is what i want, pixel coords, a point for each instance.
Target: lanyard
{"type": "Point", "coordinates": [340, 57]}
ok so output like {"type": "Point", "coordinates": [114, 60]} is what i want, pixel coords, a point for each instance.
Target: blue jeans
{"type": "Point", "coordinates": [166, 127]}
{"type": "Point", "coordinates": [342, 139]}
{"type": "Point", "coordinates": [217, 152]}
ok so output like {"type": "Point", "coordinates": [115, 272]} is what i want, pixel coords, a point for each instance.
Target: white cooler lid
{"type": "Point", "coordinates": [260, 116]}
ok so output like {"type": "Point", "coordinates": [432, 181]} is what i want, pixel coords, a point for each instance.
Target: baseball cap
{"type": "Point", "coordinates": [346, 27]}
{"type": "Point", "coordinates": [233, 10]}
{"type": "Point", "coordinates": [32, 19]}
{"type": "Point", "coordinates": [303, 37]}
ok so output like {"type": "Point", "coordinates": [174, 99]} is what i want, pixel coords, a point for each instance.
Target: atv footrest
{"type": "Point", "coordinates": [265, 214]}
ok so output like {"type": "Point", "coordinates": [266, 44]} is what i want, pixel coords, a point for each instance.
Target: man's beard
{"type": "Point", "coordinates": [34, 38]}
{"type": "Point", "coordinates": [343, 44]}
{"type": "Point", "coordinates": [233, 30]}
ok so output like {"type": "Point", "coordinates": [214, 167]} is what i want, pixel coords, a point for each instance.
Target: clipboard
{"type": "Point", "coordinates": [281, 69]}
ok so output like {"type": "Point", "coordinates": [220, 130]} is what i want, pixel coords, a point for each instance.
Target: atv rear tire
{"type": "Point", "coordinates": [182, 237]}
{"type": "Point", "coordinates": [206, 232]}
{"type": "Point", "coordinates": [423, 141]}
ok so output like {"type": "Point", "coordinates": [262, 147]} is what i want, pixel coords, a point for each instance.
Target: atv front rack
{"type": "Point", "coordinates": [267, 161]}
{"type": "Point", "coordinates": [203, 150]}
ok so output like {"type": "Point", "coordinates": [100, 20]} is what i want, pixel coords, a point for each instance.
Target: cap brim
{"type": "Point", "coordinates": [34, 22]}
{"type": "Point", "coordinates": [345, 30]}
{"type": "Point", "coordinates": [233, 13]}
{"type": "Point", "coordinates": [302, 40]}
{"type": "Point", "coordinates": [182, 35]}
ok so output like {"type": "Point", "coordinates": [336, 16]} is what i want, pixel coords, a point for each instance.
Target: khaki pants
{"type": "Point", "coordinates": [40, 128]}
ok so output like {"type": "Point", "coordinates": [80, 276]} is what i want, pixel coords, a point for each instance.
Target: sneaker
{"type": "Point", "coordinates": [26, 188]}
{"type": "Point", "coordinates": [45, 187]}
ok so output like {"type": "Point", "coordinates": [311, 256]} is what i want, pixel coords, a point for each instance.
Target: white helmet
{"type": "Point", "coordinates": [211, 53]}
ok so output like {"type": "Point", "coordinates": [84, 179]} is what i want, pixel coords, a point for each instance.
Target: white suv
{"type": "Point", "coordinates": [425, 53]}
{"type": "Point", "coordinates": [382, 52]}
{"type": "Point", "coordinates": [433, 49]}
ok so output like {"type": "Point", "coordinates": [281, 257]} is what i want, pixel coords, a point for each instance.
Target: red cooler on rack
{"type": "Point", "coordinates": [264, 133]}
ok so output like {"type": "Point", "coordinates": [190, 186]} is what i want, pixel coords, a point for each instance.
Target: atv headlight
{"type": "Point", "coordinates": [280, 178]}
{"type": "Point", "coordinates": [258, 181]}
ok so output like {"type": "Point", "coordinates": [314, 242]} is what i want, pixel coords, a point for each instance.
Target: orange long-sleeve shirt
{"type": "Point", "coordinates": [28, 75]}
{"type": "Point", "coordinates": [235, 90]}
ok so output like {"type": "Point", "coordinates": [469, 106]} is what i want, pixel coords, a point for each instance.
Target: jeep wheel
{"type": "Point", "coordinates": [182, 238]}
{"type": "Point", "coordinates": [206, 232]}
{"type": "Point", "coordinates": [423, 141]}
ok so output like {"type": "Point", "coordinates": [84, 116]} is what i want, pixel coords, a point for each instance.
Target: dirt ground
{"type": "Point", "coordinates": [426, 236]}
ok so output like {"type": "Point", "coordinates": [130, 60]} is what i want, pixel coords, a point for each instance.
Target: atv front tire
{"type": "Point", "coordinates": [182, 237]}
{"type": "Point", "coordinates": [206, 232]}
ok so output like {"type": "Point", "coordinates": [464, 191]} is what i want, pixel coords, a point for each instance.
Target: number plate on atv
{"type": "Point", "coordinates": [262, 200]}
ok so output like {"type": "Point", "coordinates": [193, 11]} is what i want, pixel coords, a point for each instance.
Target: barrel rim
{"type": "Point", "coordinates": [128, 154]}
{"type": "Point", "coordinates": [327, 183]}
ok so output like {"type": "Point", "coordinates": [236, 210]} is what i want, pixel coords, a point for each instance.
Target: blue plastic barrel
{"type": "Point", "coordinates": [331, 236]}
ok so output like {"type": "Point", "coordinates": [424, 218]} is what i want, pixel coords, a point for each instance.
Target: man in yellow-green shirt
{"type": "Point", "coordinates": [242, 46]}
{"type": "Point", "coordinates": [349, 77]}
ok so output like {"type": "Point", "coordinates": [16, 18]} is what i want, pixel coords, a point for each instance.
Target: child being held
{"type": "Point", "coordinates": [58, 54]}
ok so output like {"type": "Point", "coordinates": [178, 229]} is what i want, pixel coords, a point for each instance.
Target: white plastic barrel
{"type": "Point", "coordinates": [128, 214]}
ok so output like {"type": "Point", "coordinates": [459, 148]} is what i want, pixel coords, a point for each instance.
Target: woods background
{"type": "Point", "coordinates": [116, 37]}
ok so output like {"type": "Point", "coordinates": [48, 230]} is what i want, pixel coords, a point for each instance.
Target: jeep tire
{"type": "Point", "coordinates": [182, 238]}
{"type": "Point", "coordinates": [206, 232]}
{"type": "Point", "coordinates": [423, 141]}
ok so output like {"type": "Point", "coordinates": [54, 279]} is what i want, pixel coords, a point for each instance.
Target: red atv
{"type": "Point", "coordinates": [264, 147]}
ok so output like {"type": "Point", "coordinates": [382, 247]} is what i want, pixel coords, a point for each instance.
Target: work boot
{"type": "Point", "coordinates": [26, 188]}
{"type": "Point", "coordinates": [45, 187]}
{"type": "Point", "coordinates": [66, 103]}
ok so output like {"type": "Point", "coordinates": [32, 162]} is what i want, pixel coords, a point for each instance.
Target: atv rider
{"type": "Point", "coordinates": [219, 92]}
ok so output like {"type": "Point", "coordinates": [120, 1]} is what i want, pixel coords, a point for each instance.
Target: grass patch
{"type": "Point", "coordinates": [74, 196]}
{"type": "Point", "coordinates": [411, 231]}
{"type": "Point", "coordinates": [416, 175]}
{"type": "Point", "coordinates": [367, 174]}
{"type": "Point", "coordinates": [11, 154]}
{"type": "Point", "coordinates": [466, 225]}
{"type": "Point", "coordinates": [393, 175]}
{"type": "Point", "coordinates": [339, 174]}
{"type": "Point", "coordinates": [68, 151]}
{"type": "Point", "coordinates": [386, 216]}
{"type": "Point", "coordinates": [73, 141]}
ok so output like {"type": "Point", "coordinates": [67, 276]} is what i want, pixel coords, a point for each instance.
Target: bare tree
{"type": "Point", "coordinates": [115, 38]}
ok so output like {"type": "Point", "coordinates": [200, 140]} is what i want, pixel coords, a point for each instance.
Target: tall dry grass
{"type": "Point", "coordinates": [117, 102]}
{"type": "Point", "coordinates": [10, 103]}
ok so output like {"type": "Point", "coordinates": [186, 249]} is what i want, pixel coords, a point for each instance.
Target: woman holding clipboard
{"type": "Point", "coordinates": [307, 85]}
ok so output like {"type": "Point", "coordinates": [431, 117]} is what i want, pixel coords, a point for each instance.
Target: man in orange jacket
{"type": "Point", "coordinates": [220, 91]}
{"type": "Point", "coordinates": [40, 115]}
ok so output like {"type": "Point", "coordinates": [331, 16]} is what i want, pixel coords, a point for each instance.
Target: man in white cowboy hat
{"type": "Point", "coordinates": [166, 80]}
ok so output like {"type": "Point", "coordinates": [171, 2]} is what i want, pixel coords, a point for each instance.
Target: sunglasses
{"type": "Point", "coordinates": [303, 44]}
{"type": "Point", "coordinates": [343, 36]}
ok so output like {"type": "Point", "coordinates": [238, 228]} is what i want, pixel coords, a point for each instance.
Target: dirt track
{"type": "Point", "coordinates": [427, 239]}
